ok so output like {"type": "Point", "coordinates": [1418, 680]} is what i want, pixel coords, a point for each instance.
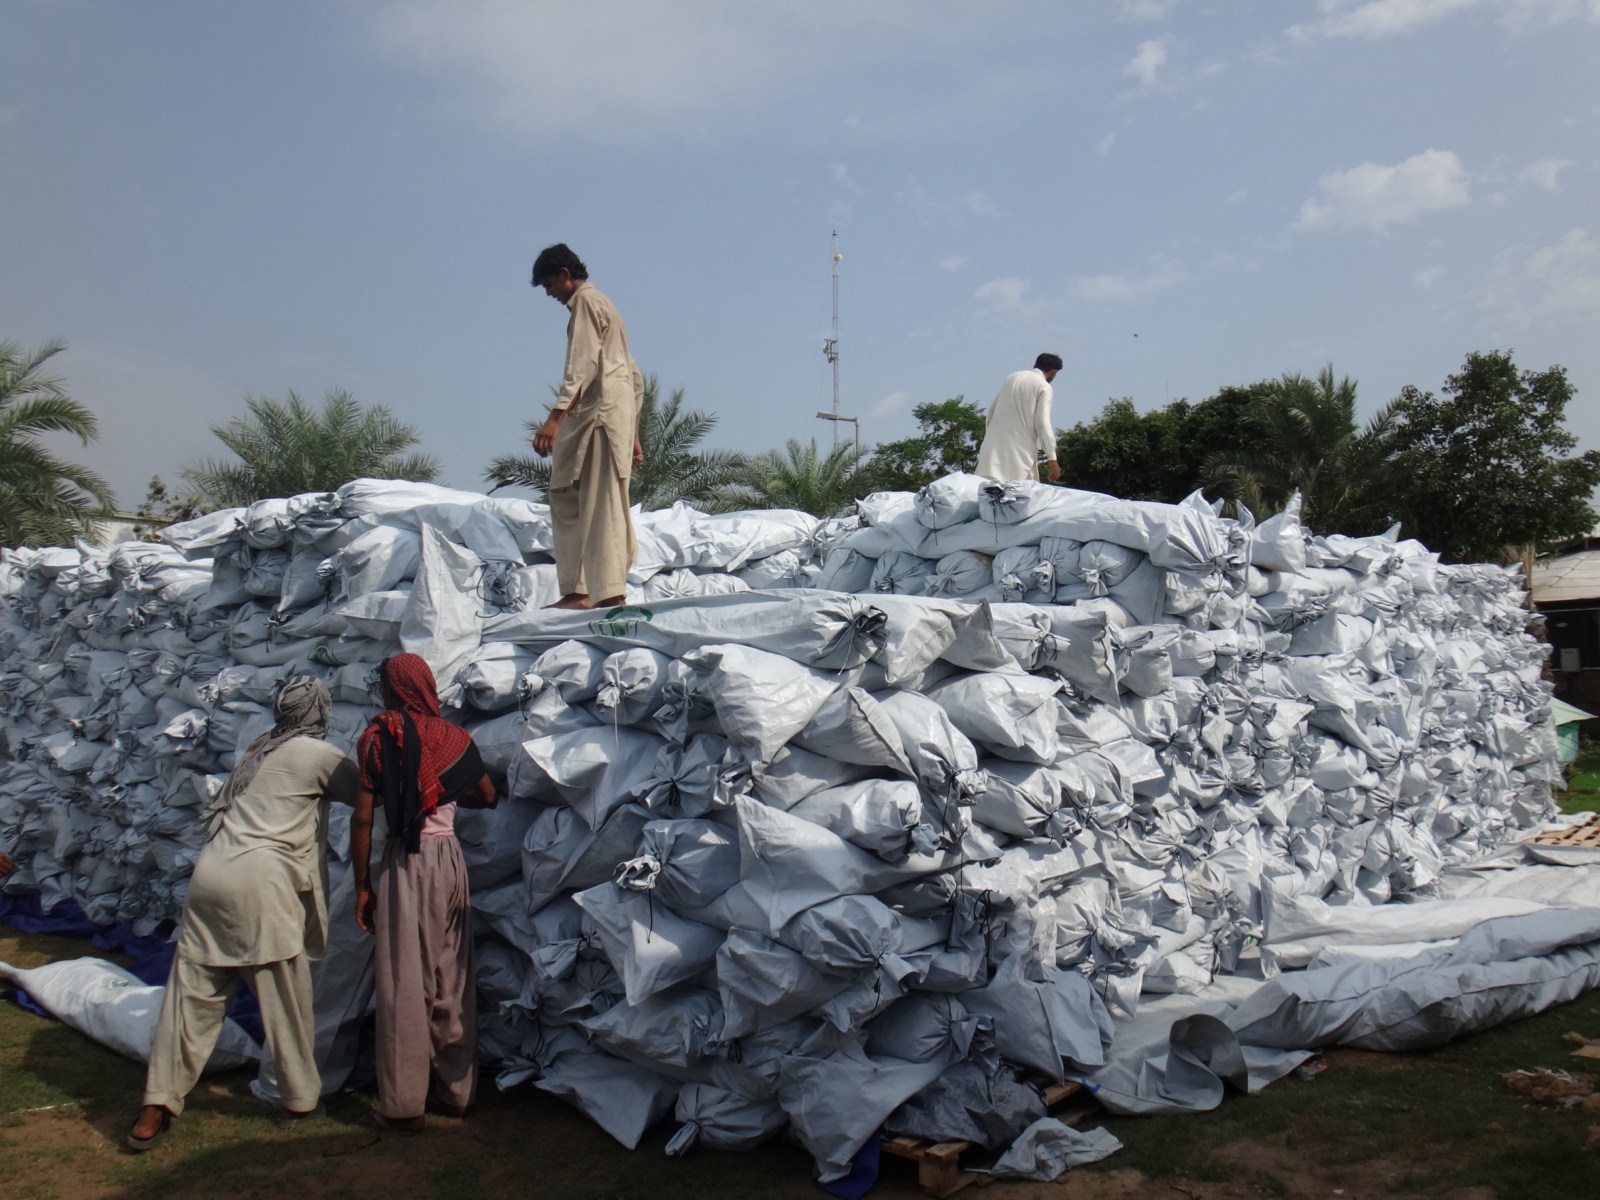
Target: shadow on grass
{"type": "Point", "coordinates": [526, 1145]}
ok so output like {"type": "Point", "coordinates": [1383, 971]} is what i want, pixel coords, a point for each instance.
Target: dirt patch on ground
{"type": "Point", "coordinates": [77, 1155]}
{"type": "Point", "coordinates": [1344, 1058]}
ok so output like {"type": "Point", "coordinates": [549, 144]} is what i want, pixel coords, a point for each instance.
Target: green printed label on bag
{"type": "Point", "coordinates": [620, 622]}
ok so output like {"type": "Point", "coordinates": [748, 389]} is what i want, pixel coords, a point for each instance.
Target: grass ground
{"type": "Point", "coordinates": [1583, 781]}
{"type": "Point", "coordinates": [1423, 1125]}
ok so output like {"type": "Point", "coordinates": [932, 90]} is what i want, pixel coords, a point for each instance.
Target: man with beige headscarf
{"type": "Point", "coordinates": [256, 910]}
{"type": "Point", "coordinates": [592, 435]}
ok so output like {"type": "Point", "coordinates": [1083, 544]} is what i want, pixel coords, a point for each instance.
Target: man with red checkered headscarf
{"type": "Point", "coordinates": [418, 767]}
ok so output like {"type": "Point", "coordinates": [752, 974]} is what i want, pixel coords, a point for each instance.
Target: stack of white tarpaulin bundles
{"type": "Point", "coordinates": [924, 813]}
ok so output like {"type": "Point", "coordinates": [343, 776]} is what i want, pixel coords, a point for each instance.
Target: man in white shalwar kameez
{"type": "Point", "coordinates": [592, 437]}
{"type": "Point", "coordinates": [1019, 431]}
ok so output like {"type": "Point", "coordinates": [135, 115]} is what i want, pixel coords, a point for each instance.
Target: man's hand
{"type": "Point", "coordinates": [366, 910]}
{"type": "Point", "coordinates": [638, 452]}
{"type": "Point", "coordinates": [1053, 471]}
{"type": "Point", "coordinates": [545, 438]}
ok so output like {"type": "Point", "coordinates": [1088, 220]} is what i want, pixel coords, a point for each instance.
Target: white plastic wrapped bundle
{"type": "Point", "coordinates": [804, 824]}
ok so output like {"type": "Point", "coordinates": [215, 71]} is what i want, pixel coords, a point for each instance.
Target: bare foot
{"type": "Point", "coordinates": [611, 602]}
{"type": "Point", "coordinates": [572, 600]}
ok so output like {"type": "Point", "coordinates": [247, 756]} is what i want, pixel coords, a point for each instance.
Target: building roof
{"type": "Point", "coordinates": [1563, 713]}
{"type": "Point", "coordinates": [1567, 578]}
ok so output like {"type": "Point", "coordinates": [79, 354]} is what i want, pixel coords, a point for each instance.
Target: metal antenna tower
{"type": "Point", "coordinates": [830, 348]}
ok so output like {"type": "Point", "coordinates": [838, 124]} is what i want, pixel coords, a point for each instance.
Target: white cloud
{"type": "Point", "coordinates": [1427, 277]}
{"type": "Point", "coordinates": [1237, 196]}
{"type": "Point", "coordinates": [1008, 295]}
{"type": "Point", "coordinates": [1560, 281]}
{"type": "Point", "coordinates": [978, 204]}
{"type": "Point", "coordinates": [1159, 65]}
{"type": "Point", "coordinates": [1161, 275]}
{"type": "Point", "coordinates": [1545, 173]}
{"type": "Point", "coordinates": [1146, 63]}
{"type": "Point", "coordinates": [1145, 10]}
{"type": "Point", "coordinates": [1103, 146]}
{"type": "Point", "coordinates": [952, 262]}
{"type": "Point", "coordinates": [1375, 197]}
{"type": "Point", "coordinates": [1377, 18]}
{"type": "Point", "coordinates": [937, 210]}
{"type": "Point", "coordinates": [628, 68]}
{"type": "Point", "coordinates": [1397, 18]}
{"type": "Point", "coordinates": [888, 406]}
{"type": "Point", "coordinates": [840, 174]}
{"type": "Point", "coordinates": [1527, 15]}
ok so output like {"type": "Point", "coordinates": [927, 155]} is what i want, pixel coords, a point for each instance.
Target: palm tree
{"type": "Point", "coordinates": [44, 500]}
{"type": "Point", "coordinates": [672, 470]}
{"type": "Point", "coordinates": [1301, 435]}
{"type": "Point", "coordinates": [285, 448]}
{"type": "Point", "coordinates": [796, 477]}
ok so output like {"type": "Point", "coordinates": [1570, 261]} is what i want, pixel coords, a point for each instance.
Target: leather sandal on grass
{"type": "Point", "coordinates": [140, 1144]}
{"type": "Point", "coordinates": [396, 1124]}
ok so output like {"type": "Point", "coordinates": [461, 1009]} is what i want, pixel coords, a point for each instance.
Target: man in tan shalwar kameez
{"type": "Point", "coordinates": [256, 909]}
{"type": "Point", "coordinates": [593, 433]}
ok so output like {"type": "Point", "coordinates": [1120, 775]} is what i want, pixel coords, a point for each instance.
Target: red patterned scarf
{"type": "Point", "coordinates": [407, 747]}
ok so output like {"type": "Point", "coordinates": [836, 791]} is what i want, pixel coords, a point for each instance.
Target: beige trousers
{"type": "Point", "coordinates": [592, 528]}
{"type": "Point", "coordinates": [427, 1002]}
{"type": "Point", "coordinates": [192, 1011]}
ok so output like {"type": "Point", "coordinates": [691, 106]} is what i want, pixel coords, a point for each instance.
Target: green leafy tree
{"type": "Point", "coordinates": [1487, 467]}
{"type": "Point", "coordinates": [162, 507]}
{"type": "Point", "coordinates": [673, 469]}
{"type": "Point", "coordinates": [285, 448]}
{"type": "Point", "coordinates": [799, 476]}
{"type": "Point", "coordinates": [948, 439]}
{"type": "Point", "coordinates": [1155, 455]}
{"type": "Point", "coordinates": [1300, 434]}
{"type": "Point", "coordinates": [44, 500]}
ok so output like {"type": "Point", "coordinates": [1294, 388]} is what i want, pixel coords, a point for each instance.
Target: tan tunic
{"type": "Point", "coordinates": [601, 388]}
{"type": "Point", "coordinates": [259, 890]}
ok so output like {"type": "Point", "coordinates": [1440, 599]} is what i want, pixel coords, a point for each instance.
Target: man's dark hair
{"type": "Point", "coordinates": [553, 260]}
{"type": "Point", "coordinates": [1045, 362]}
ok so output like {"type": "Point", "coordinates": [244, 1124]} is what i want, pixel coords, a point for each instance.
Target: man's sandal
{"type": "Point", "coordinates": [140, 1144]}
{"type": "Point", "coordinates": [396, 1124]}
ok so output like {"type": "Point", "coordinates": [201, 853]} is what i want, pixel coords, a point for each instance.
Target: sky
{"type": "Point", "coordinates": [212, 201]}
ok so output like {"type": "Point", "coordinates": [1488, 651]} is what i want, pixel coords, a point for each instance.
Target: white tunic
{"type": "Point", "coordinates": [1018, 428]}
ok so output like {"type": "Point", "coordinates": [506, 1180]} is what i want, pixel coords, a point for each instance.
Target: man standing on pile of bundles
{"type": "Point", "coordinates": [255, 908]}
{"type": "Point", "coordinates": [593, 432]}
{"type": "Point", "coordinates": [1019, 431]}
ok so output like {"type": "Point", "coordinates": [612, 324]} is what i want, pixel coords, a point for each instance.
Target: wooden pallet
{"type": "Point", "coordinates": [1584, 835]}
{"type": "Point", "coordinates": [939, 1170]}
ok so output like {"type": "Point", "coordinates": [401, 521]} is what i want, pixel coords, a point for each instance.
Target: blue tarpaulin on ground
{"type": "Point", "coordinates": [149, 957]}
